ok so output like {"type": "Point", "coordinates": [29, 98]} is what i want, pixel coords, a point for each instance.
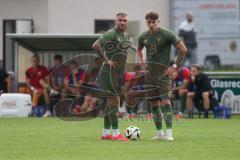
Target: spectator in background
{"type": "Point", "coordinates": [90, 101]}
{"type": "Point", "coordinates": [37, 81]}
{"type": "Point", "coordinates": [199, 90]}
{"type": "Point", "coordinates": [5, 82]}
{"type": "Point", "coordinates": [181, 79]}
{"type": "Point", "coordinates": [187, 33]}
{"type": "Point", "coordinates": [58, 73]}
{"type": "Point", "coordinates": [130, 80]}
{"type": "Point", "coordinates": [95, 71]}
{"type": "Point", "coordinates": [133, 88]}
{"type": "Point", "coordinates": [74, 80]}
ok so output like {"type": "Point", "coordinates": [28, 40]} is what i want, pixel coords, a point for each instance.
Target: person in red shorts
{"type": "Point", "coordinates": [37, 81]}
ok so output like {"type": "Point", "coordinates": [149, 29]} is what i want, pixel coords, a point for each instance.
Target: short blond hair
{"type": "Point", "coordinates": [121, 14]}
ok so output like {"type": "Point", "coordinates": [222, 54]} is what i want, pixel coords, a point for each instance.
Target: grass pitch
{"type": "Point", "coordinates": [51, 138]}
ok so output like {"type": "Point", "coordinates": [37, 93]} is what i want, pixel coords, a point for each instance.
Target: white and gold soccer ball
{"type": "Point", "coordinates": [133, 133]}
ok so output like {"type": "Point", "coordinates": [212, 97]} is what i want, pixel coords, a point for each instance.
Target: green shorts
{"type": "Point", "coordinates": [110, 83]}
{"type": "Point", "coordinates": [161, 83]}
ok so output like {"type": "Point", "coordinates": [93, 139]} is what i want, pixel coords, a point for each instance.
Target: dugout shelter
{"type": "Point", "coordinates": [46, 46]}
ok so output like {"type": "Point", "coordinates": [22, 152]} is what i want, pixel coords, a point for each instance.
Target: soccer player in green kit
{"type": "Point", "coordinates": [158, 41]}
{"type": "Point", "coordinates": [112, 48]}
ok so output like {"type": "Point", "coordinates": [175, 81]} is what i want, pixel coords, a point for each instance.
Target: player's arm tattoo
{"type": "Point", "coordinates": [182, 50]}
{"type": "Point", "coordinates": [98, 48]}
{"type": "Point", "coordinates": [179, 59]}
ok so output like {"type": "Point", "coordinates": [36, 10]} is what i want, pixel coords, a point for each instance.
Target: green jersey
{"type": "Point", "coordinates": [158, 48]}
{"type": "Point", "coordinates": [158, 45]}
{"type": "Point", "coordinates": [115, 45]}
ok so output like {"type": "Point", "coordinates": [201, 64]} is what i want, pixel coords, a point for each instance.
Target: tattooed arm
{"type": "Point", "coordinates": [98, 48]}
{"type": "Point", "coordinates": [182, 50]}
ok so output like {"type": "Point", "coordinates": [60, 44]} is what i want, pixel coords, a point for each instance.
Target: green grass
{"type": "Point", "coordinates": [52, 138]}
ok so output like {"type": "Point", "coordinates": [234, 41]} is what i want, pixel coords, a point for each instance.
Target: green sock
{"type": "Point", "coordinates": [157, 117]}
{"type": "Point", "coordinates": [113, 117]}
{"type": "Point", "coordinates": [129, 109]}
{"type": "Point", "coordinates": [104, 108]}
{"type": "Point", "coordinates": [135, 110]}
{"type": "Point", "coordinates": [168, 115]}
{"type": "Point", "coordinates": [107, 123]}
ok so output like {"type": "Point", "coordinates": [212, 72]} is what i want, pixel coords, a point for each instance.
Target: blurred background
{"type": "Point", "coordinates": [68, 28]}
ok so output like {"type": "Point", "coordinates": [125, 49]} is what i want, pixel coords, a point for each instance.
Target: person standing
{"type": "Point", "coordinates": [158, 41]}
{"type": "Point", "coordinates": [112, 49]}
{"type": "Point", "coordinates": [187, 33]}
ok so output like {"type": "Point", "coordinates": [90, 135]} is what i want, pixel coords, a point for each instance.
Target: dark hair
{"type": "Point", "coordinates": [198, 67]}
{"type": "Point", "coordinates": [152, 15]}
{"type": "Point", "coordinates": [35, 56]}
{"type": "Point", "coordinates": [58, 57]}
{"type": "Point", "coordinates": [121, 14]}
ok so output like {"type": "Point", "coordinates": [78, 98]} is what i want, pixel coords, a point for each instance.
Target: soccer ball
{"type": "Point", "coordinates": [133, 133]}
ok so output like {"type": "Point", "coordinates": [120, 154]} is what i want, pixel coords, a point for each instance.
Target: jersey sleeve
{"type": "Point", "coordinates": [105, 37]}
{"type": "Point", "coordinates": [186, 74]}
{"type": "Point", "coordinates": [140, 41]}
{"type": "Point", "coordinates": [172, 38]}
{"type": "Point", "coordinates": [27, 75]}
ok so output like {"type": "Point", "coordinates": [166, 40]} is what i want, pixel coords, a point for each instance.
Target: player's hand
{"type": "Point", "coordinates": [53, 92]}
{"type": "Point", "coordinates": [170, 71]}
{"type": "Point", "coordinates": [112, 64]}
{"type": "Point", "coordinates": [34, 90]}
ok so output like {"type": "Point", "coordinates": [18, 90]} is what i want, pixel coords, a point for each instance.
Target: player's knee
{"type": "Point", "coordinates": [190, 94]}
{"type": "Point", "coordinates": [182, 92]}
{"type": "Point", "coordinates": [165, 102]}
{"type": "Point", "coordinates": [205, 95]}
{"type": "Point", "coordinates": [87, 99]}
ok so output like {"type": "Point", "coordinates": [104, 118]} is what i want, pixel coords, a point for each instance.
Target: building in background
{"type": "Point", "coordinates": [217, 25]}
{"type": "Point", "coordinates": [75, 16]}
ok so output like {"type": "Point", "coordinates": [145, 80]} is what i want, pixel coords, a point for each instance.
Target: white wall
{"type": "Point", "coordinates": [24, 9]}
{"type": "Point", "coordinates": [77, 16]}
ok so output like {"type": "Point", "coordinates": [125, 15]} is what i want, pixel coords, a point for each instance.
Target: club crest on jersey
{"type": "Point", "coordinates": [124, 45]}
{"type": "Point", "coordinates": [110, 46]}
{"type": "Point", "coordinates": [145, 41]}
